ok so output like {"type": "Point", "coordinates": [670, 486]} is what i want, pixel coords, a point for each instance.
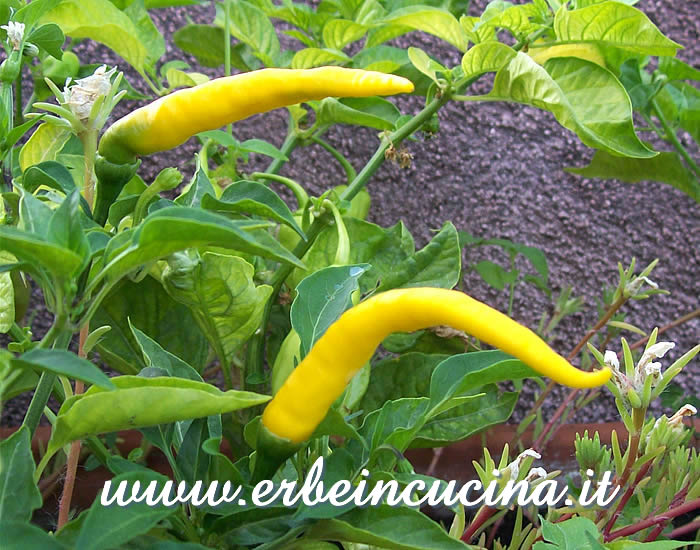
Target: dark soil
{"type": "Point", "coordinates": [496, 170]}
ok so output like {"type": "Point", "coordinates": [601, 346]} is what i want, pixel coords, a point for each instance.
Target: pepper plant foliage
{"type": "Point", "coordinates": [171, 288]}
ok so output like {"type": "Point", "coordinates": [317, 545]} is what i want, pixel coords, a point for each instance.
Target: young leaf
{"type": "Point", "coordinates": [205, 42]}
{"type": "Point", "coordinates": [485, 58]}
{"type": "Point", "coordinates": [249, 24]}
{"type": "Point", "coordinates": [338, 33]}
{"type": "Point", "coordinates": [317, 57]}
{"type": "Point", "coordinates": [44, 144]}
{"type": "Point", "coordinates": [434, 21]}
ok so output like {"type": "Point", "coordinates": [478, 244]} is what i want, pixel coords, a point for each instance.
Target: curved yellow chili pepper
{"type": "Point", "coordinates": [172, 119]}
{"type": "Point", "coordinates": [303, 401]}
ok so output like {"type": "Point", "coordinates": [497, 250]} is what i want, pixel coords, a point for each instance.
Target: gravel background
{"type": "Point", "coordinates": [496, 170]}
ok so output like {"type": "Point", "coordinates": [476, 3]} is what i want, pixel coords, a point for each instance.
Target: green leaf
{"type": "Point", "coordinates": [44, 144]}
{"type": "Point", "coordinates": [65, 363]}
{"type": "Point", "coordinates": [338, 33]}
{"type": "Point", "coordinates": [435, 265]}
{"type": "Point", "coordinates": [485, 58]}
{"type": "Point", "coordinates": [139, 402]}
{"type": "Point", "coordinates": [156, 357]}
{"type": "Point", "coordinates": [613, 24]}
{"type": "Point", "coordinates": [251, 197]}
{"type": "Point", "coordinates": [462, 373]}
{"type": "Point", "coordinates": [191, 461]}
{"type": "Point", "coordinates": [19, 495]}
{"type": "Point", "coordinates": [472, 415]}
{"type": "Point", "coordinates": [18, 535]}
{"type": "Point", "coordinates": [570, 534]}
{"type": "Point", "coordinates": [173, 229]}
{"type": "Point", "coordinates": [386, 527]}
{"type": "Point", "coordinates": [60, 261]}
{"type": "Point", "coordinates": [7, 295]}
{"type": "Point", "coordinates": [250, 25]}
{"type": "Point", "coordinates": [407, 375]}
{"type": "Point", "coordinates": [262, 147]}
{"type": "Point", "coordinates": [665, 167]}
{"type": "Point", "coordinates": [148, 34]}
{"type": "Point", "coordinates": [494, 274]}
{"type": "Point", "coordinates": [675, 69]}
{"type": "Point", "coordinates": [322, 297]}
{"type": "Point", "coordinates": [146, 306]}
{"type": "Point", "coordinates": [48, 38]}
{"type": "Point", "coordinates": [434, 21]}
{"type": "Point", "coordinates": [373, 112]}
{"type": "Point", "coordinates": [101, 21]}
{"type": "Point", "coordinates": [205, 42]}
{"type": "Point", "coordinates": [220, 292]}
{"type": "Point", "coordinates": [317, 57]}
{"type": "Point", "coordinates": [51, 174]}
{"type": "Point", "coordinates": [584, 97]}
{"type": "Point", "coordinates": [423, 63]}
{"type": "Point", "coordinates": [112, 526]}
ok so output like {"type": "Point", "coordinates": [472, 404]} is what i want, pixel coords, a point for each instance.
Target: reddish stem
{"type": "Point", "coordinates": [626, 497]}
{"type": "Point", "coordinates": [685, 529]}
{"type": "Point", "coordinates": [481, 517]}
{"type": "Point", "coordinates": [654, 520]}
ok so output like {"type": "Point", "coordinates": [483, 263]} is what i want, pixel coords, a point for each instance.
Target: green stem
{"type": "Point", "coordinates": [19, 113]}
{"type": "Point", "coordinates": [299, 192]}
{"type": "Point", "coordinates": [89, 140]}
{"type": "Point", "coordinates": [56, 337]}
{"type": "Point", "coordinates": [670, 135]}
{"type": "Point", "coordinates": [349, 170]}
{"type": "Point", "coordinates": [511, 290]}
{"type": "Point", "coordinates": [256, 344]}
{"type": "Point", "coordinates": [290, 143]}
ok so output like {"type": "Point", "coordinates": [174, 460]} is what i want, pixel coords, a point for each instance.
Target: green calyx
{"type": "Point", "coordinates": [111, 179]}
{"type": "Point", "coordinates": [271, 452]}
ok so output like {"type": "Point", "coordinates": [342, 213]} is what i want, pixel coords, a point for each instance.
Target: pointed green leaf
{"type": "Point", "coordinates": [65, 363]}
{"type": "Point", "coordinates": [665, 167]}
{"type": "Point", "coordinates": [65, 229]}
{"type": "Point", "coordinates": [139, 402]}
{"type": "Point", "coordinates": [7, 294]}
{"type": "Point", "coordinates": [48, 38]}
{"type": "Point", "coordinates": [613, 24]}
{"type": "Point", "coordinates": [20, 535]}
{"type": "Point", "coordinates": [31, 249]}
{"type": "Point", "coordinates": [249, 24]}
{"type": "Point", "coordinates": [19, 495]}
{"type": "Point", "coordinates": [251, 197]}
{"type": "Point", "coordinates": [147, 33]}
{"type": "Point", "coordinates": [262, 147]}
{"type": "Point", "coordinates": [199, 186]}
{"type": "Point", "coordinates": [44, 144]}
{"type": "Point", "coordinates": [584, 97]}
{"type": "Point", "coordinates": [156, 357]}
{"type": "Point", "coordinates": [205, 42]}
{"type": "Point", "coordinates": [434, 21]}
{"type": "Point", "coordinates": [374, 112]}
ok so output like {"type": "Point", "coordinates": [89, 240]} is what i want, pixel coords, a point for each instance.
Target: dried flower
{"type": "Point", "coordinates": [81, 96]}
{"type": "Point", "coordinates": [514, 467]}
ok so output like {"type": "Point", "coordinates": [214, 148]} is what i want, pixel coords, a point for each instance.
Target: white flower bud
{"type": "Point", "coordinates": [15, 33]}
{"type": "Point", "coordinates": [635, 285]}
{"type": "Point", "coordinates": [611, 360]}
{"type": "Point", "coordinates": [514, 467]}
{"type": "Point", "coordinates": [536, 474]}
{"type": "Point", "coordinates": [676, 420]}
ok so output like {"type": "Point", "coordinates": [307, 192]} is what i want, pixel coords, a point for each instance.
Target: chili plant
{"type": "Point", "coordinates": [171, 288]}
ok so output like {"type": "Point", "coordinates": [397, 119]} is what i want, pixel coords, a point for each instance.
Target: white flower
{"type": "Point", "coordinates": [81, 96]}
{"type": "Point", "coordinates": [655, 352]}
{"type": "Point", "coordinates": [15, 32]}
{"type": "Point", "coordinates": [536, 474]}
{"type": "Point", "coordinates": [514, 467]}
{"type": "Point", "coordinates": [611, 360]}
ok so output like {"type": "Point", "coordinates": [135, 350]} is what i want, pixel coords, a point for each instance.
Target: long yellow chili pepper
{"type": "Point", "coordinates": [171, 120]}
{"type": "Point", "coordinates": [303, 401]}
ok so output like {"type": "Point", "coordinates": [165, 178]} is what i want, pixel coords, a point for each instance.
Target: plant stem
{"type": "Point", "coordinates": [256, 344]}
{"type": "Point", "coordinates": [350, 172]}
{"type": "Point", "coordinates": [673, 138]}
{"type": "Point", "coordinates": [625, 499]}
{"type": "Point", "coordinates": [654, 520]}
{"type": "Point", "coordinates": [684, 529]}
{"type": "Point", "coordinates": [299, 192]}
{"type": "Point", "coordinates": [74, 453]}
{"type": "Point", "coordinates": [481, 517]}
{"type": "Point", "coordinates": [290, 143]}
{"type": "Point", "coordinates": [673, 324]}
{"type": "Point", "coordinates": [89, 140]}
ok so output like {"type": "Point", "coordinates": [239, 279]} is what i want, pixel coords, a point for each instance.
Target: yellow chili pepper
{"type": "Point", "coordinates": [303, 401]}
{"type": "Point", "coordinates": [171, 120]}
